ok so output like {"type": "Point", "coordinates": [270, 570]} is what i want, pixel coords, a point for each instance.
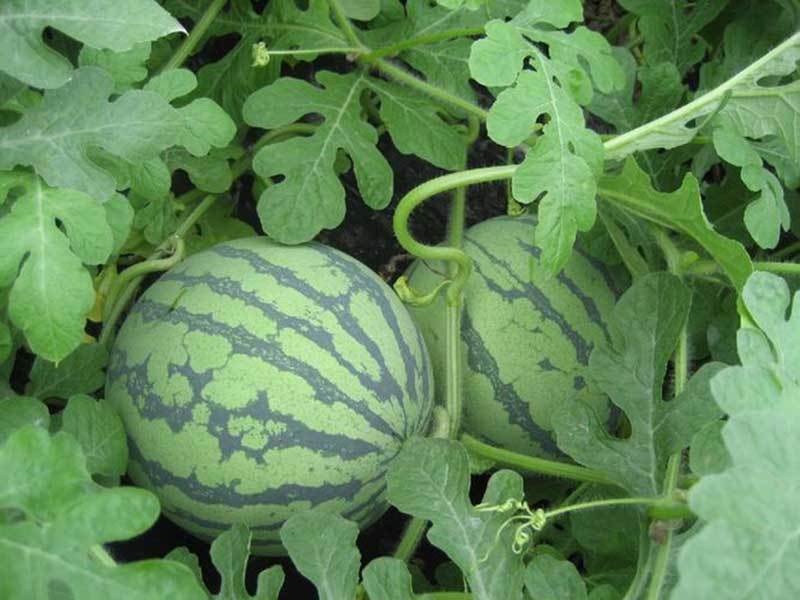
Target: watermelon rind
{"type": "Point", "coordinates": [257, 380]}
{"type": "Point", "coordinates": [526, 334]}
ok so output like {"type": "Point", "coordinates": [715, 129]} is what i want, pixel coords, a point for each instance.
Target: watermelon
{"type": "Point", "coordinates": [257, 380]}
{"type": "Point", "coordinates": [526, 335]}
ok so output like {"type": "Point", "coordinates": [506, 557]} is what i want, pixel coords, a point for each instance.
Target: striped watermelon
{"type": "Point", "coordinates": [526, 335]}
{"type": "Point", "coordinates": [257, 380]}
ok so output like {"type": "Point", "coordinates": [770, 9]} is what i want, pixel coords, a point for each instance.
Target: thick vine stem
{"type": "Point", "coordinates": [625, 143]}
{"type": "Point", "coordinates": [124, 298]}
{"type": "Point", "coordinates": [345, 25]}
{"type": "Point", "coordinates": [779, 268]}
{"type": "Point", "coordinates": [198, 31]}
{"type": "Point", "coordinates": [174, 248]}
{"type": "Point", "coordinates": [530, 464]}
{"type": "Point", "coordinates": [400, 75]}
{"type": "Point", "coordinates": [655, 506]}
{"type": "Point", "coordinates": [680, 362]}
{"type": "Point", "coordinates": [454, 384]}
{"type": "Point", "coordinates": [445, 254]}
{"type": "Point", "coordinates": [432, 38]}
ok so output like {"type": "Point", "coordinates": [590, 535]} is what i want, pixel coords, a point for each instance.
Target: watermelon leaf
{"type": "Point", "coordinates": [311, 196]}
{"type": "Point", "coordinates": [322, 545]}
{"type": "Point", "coordinates": [127, 68]}
{"type": "Point", "coordinates": [99, 431]}
{"type": "Point", "coordinates": [749, 508]}
{"type": "Point", "coordinates": [229, 553]}
{"type": "Point", "coordinates": [547, 577]}
{"type": "Point", "coordinates": [52, 546]}
{"type": "Point", "coordinates": [388, 578]}
{"type": "Point", "coordinates": [82, 372]}
{"type": "Point", "coordinates": [670, 29]}
{"type": "Point", "coordinates": [631, 371]}
{"type": "Point", "coordinates": [17, 412]}
{"type": "Point", "coordinates": [233, 77]}
{"type": "Point", "coordinates": [51, 290]}
{"type": "Point", "coordinates": [430, 480]}
{"type": "Point", "coordinates": [113, 25]}
{"type": "Point", "coordinates": [56, 136]}
{"type": "Point", "coordinates": [681, 210]}
{"type": "Point", "coordinates": [564, 164]}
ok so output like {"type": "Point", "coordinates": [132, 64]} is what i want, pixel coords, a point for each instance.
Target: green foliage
{"type": "Point", "coordinates": [681, 210]}
{"type": "Point", "coordinates": [310, 197]}
{"type": "Point", "coordinates": [117, 26]}
{"type": "Point", "coordinates": [430, 480]}
{"type": "Point", "coordinates": [42, 263]}
{"type": "Point", "coordinates": [322, 547]}
{"type": "Point", "coordinates": [80, 373]}
{"type": "Point", "coordinates": [55, 138]}
{"type": "Point", "coordinates": [671, 29]}
{"type": "Point", "coordinates": [128, 143]}
{"type": "Point", "coordinates": [748, 506]}
{"type": "Point", "coordinates": [564, 164]}
{"type": "Point", "coordinates": [51, 545]}
{"type": "Point", "coordinates": [631, 370]}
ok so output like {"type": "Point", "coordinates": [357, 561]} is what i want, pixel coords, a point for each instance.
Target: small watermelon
{"type": "Point", "coordinates": [257, 380]}
{"type": "Point", "coordinates": [526, 335]}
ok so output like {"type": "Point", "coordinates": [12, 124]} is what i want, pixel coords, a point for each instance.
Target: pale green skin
{"type": "Point", "coordinates": [526, 336]}
{"type": "Point", "coordinates": [257, 380]}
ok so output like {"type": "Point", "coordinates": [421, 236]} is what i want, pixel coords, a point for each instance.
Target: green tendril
{"type": "Point", "coordinates": [529, 520]}
{"type": "Point", "coordinates": [411, 296]}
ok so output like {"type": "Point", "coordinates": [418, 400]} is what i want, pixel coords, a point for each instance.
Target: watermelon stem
{"type": "Point", "coordinates": [531, 464]}
{"type": "Point", "coordinates": [412, 536]}
{"type": "Point", "coordinates": [680, 366]}
{"type": "Point", "coordinates": [448, 254]}
{"type": "Point", "coordinates": [198, 32]}
{"type": "Point", "coordinates": [117, 305]}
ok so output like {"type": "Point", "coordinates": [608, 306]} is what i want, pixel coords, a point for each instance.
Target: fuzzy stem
{"type": "Point", "coordinates": [680, 362]}
{"type": "Point", "coordinates": [656, 505]}
{"type": "Point", "coordinates": [314, 51]}
{"type": "Point", "coordinates": [779, 268]}
{"type": "Point", "coordinates": [419, 195]}
{"type": "Point", "coordinates": [345, 25]}
{"type": "Point", "coordinates": [198, 31]}
{"type": "Point", "coordinates": [454, 383]}
{"type": "Point", "coordinates": [139, 270]}
{"type": "Point", "coordinates": [530, 464]}
{"type": "Point", "coordinates": [402, 76]}
{"type": "Point", "coordinates": [628, 142]}
{"type": "Point", "coordinates": [411, 538]}
{"type": "Point", "coordinates": [127, 294]}
{"type": "Point", "coordinates": [421, 40]}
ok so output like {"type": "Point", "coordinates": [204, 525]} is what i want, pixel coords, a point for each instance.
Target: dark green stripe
{"type": "Point", "coordinates": [245, 343]}
{"type": "Point", "coordinates": [525, 290]}
{"type": "Point", "coordinates": [481, 361]}
{"type": "Point", "coordinates": [365, 512]}
{"type": "Point", "coordinates": [294, 432]}
{"type": "Point", "coordinates": [339, 306]}
{"type": "Point", "coordinates": [227, 495]}
{"type": "Point", "coordinates": [383, 390]}
{"type": "Point", "coordinates": [588, 302]}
